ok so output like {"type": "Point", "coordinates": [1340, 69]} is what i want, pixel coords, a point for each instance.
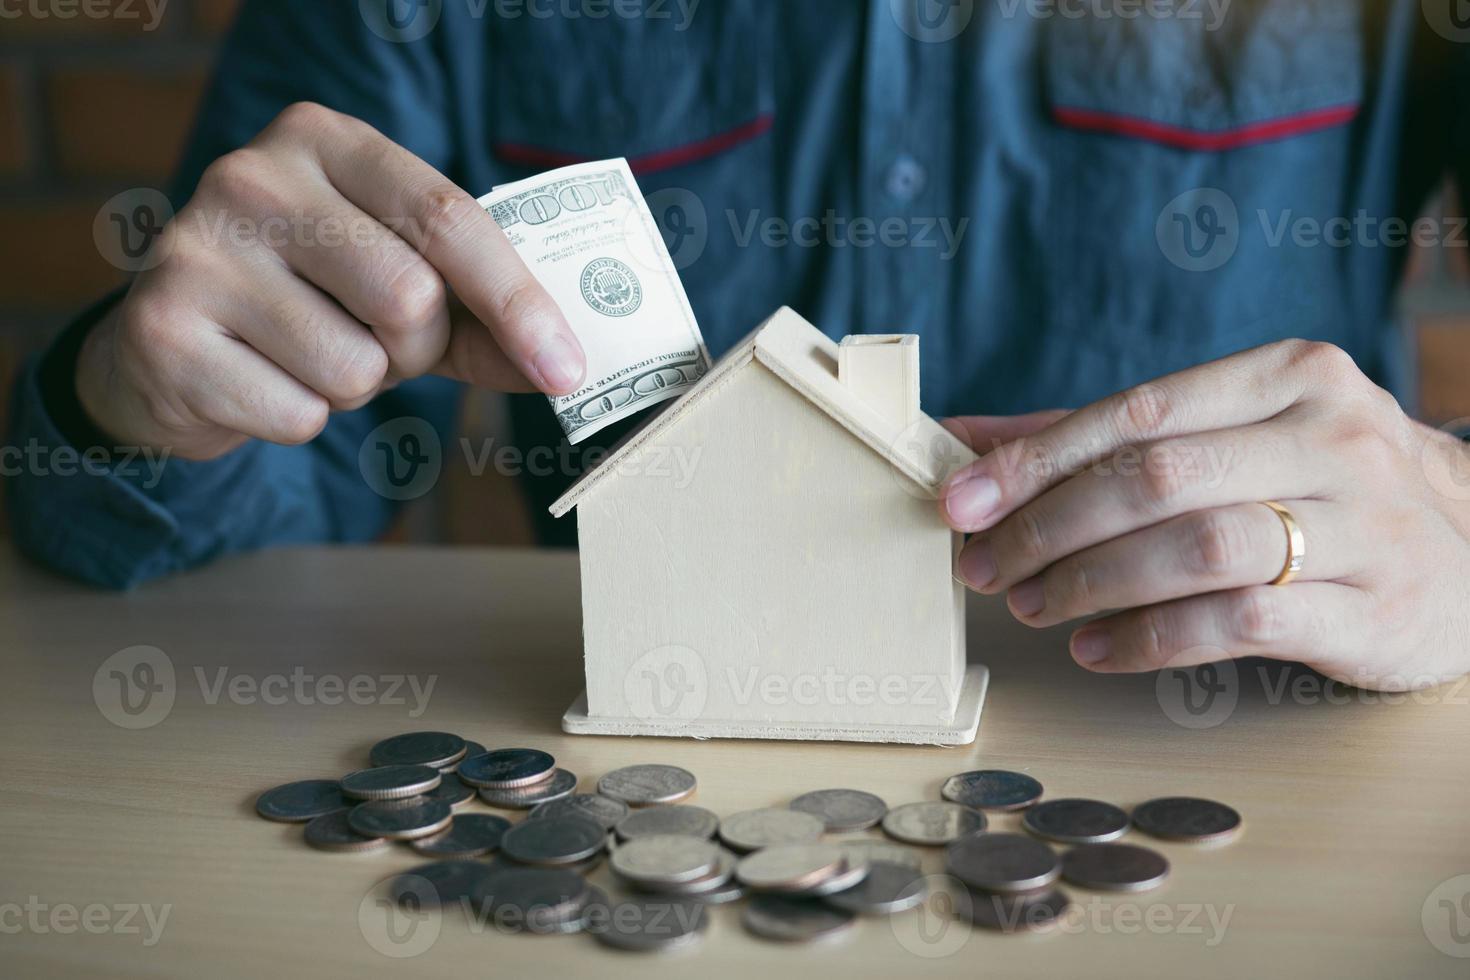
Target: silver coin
{"type": "Point", "coordinates": [303, 800]}
{"type": "Point", "coordinates": [540, 900]}
{"type": "Point", "coordinates": [470, 749]}
{"type": "Point", "coordinates": [331, 832]}
{"type": "Point", "coordinates": [646, 785]}
{"type": "Point", "coordinates": [469, 835]}
{"type": "Point", "coordinates": [850, 875]}
{"type": "Point", "coordinates": [1186, 818]}
{"type": "Point", "coordinates": [842, 809]}
{"type": "Point", "coordinates": [561, 784]}
{"type": "Point", "coordinates": [1002, 862]}
{"type": "Point", "coordinates": [646, 924]}
{"type": "Point", "coordinates": [506, 768]}
{"type": "Point", "coordinates": [874, 851]}
{"type": "Point", "coordinates": [932, 824]}
{"type": "Point", "coordinates": [754, 829]}
{"type": "Point", "coordinates": [1072, 821]}
{"type": "Point", "coordinates": [992, 789]}
{"type": "Point", "coordinates": [888, 888]}
{"type": "Point", "coordinates": [400, 819]}
{"type": "Point", "coordinates": [665, 859]}
{"type": "Point", "coordinates": [790, 867]}
{"type": "Point", "coordinates": [604, 809]}
{"type": "Point", "coordinates": [450, 790]}
{"type": "Point", "coordinates": [437, 749]}
{"type": "Point", "coordinates": [1114, 867]}
{"type": "Point", "coordinates": [553, 840]}
{"type": "Point", "coordinates": [794, 920]}
{"type": "Point", "coordinates": [390, 782]}
{"type": "Point", "coordinates": [439, 883]}
{"type": "Point", "coordinates": [691, 821]}
{"type": "Point", "coordinates": [1017, 913]}
{"type": "Point", "coordinates": [716, 881]}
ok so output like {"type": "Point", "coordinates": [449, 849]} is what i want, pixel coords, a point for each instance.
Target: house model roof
{"type": "Point", "coordinates": [806, 359]}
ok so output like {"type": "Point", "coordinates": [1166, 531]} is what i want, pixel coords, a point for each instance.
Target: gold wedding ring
{"type": "Point", "coordinates": [1296, 544]}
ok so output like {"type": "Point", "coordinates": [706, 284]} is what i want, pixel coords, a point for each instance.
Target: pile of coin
{"type": "Point", "coordinates": [674, 859]}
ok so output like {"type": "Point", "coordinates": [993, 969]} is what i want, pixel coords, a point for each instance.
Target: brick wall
{"type": "Point", "coordinates": [101, 101]}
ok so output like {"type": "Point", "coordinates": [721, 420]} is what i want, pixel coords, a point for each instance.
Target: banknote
{"type": "Point", "coordinates": [586, 233]}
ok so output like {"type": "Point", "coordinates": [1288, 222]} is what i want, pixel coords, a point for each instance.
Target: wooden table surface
{"type": "Point", "coordinates": [1357, 811]}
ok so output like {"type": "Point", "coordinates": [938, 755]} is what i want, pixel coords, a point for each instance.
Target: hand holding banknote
{"type": "Point", "coordinates": [313, 269]}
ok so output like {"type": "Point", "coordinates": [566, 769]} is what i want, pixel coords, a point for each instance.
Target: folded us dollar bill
{"type": "Point", "coordinates": [587, 235]}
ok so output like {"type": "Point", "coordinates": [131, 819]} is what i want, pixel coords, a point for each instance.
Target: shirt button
{"type": "Point", "coordinates": [905, 178]}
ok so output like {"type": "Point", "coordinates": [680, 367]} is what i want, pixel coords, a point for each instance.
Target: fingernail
{"type": "Point", "coordinates": [972, 501]}
{"type": "Point", "coordinates": [1090, 647]}
{"type": "Point", "coordinates": [560, 365]}
{"type": "Point", "coordinates": [976, 565]}
{"type": "Point", "coordinates": [1028, 598]}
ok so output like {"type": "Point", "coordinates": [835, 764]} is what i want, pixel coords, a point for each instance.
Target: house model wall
{"type": "Point", "coordinates": [765, 558]}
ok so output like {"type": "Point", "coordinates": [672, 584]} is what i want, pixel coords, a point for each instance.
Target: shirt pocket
{"type": "Point", "coordinates": [662, 92]}
{"type": "Point", "coordinates": [1177, 148]}
{"type": "Point", "coordinates": [691, 109]}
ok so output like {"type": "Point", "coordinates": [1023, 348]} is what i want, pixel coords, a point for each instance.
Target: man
{"type": "Point", "coordinates": [1064, 200]}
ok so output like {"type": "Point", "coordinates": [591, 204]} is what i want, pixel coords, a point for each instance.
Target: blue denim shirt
{"type": "Point", "coordinates": [1059, 200]}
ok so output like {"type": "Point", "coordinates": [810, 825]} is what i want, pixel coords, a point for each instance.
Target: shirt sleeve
{"type": "Point", "coordinates": [114, 516]}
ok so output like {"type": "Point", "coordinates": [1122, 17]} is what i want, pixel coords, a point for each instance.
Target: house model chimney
{"type": "Point", "coordinates": [883, 371]}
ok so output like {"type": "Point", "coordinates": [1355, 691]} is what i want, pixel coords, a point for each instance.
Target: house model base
{"type": "Point", "coordinates": [766, 558]}
{"type": "Point", "coordinates": [960, 732]}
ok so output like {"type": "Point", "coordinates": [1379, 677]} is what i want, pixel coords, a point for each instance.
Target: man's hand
{"type": "Point", "coordinates": [1150, 502]}
{"type": "Point", "coordinates": [312, 270]}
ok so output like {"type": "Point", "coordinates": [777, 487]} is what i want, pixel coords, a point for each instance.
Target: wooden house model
{"type": "Point", "coordinates": [765, 558]}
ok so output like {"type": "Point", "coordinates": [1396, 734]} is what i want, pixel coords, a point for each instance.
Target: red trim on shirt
{"type": "Point", "coordinates": [1114, 124]}
{"type": "Point", "coordinates": [537, 156]}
